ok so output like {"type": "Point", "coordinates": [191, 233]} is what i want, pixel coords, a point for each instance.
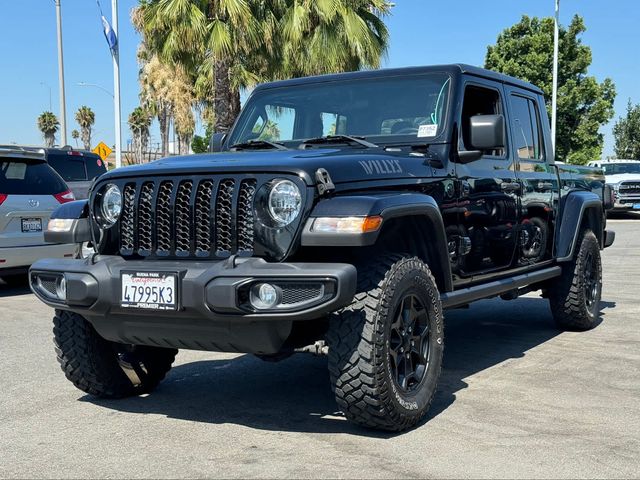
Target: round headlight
{"type": "Point", "coordinates": [111, 204]}
{"type": "Point", "coordinates": [284, 202]}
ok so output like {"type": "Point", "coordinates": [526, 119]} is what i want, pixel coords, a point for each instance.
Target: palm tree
{"type": "Point", "coordinates": [230, 45]}
{"type": "Point", "coordinates": [75, 134]}
{"type": "Point", "coordinates": [139, 122]}
{"type": "Point", "coordinates": [85, 118]}
{"type": "Point", "coordinates": [156, 84]}
{"type": "Point", "coordinates": [48, 124]}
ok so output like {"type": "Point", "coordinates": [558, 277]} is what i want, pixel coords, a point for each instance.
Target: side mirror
{"type": "Point", "coordinates": [487, 132]}
{"type": "Point", "coordinates": [215, 144]}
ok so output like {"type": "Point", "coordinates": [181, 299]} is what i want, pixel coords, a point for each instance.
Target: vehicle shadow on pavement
{"type": "Point", "coordinates": [295, 395]}
{"type": "Point", "coordinates": [11, 291]}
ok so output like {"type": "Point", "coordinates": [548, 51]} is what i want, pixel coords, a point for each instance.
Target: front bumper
{"type": "Point", "coordinates": [625, 203]}
{"type": "Point", "coordinates": [210, 315]}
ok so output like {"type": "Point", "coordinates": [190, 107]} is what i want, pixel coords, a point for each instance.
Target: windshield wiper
{"type": "Point", "coordinates": [257, 145]}
{"type": "Point", "coordinates": [338, 139]}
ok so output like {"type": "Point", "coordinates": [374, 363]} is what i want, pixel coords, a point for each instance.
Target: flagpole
{"type": "Point", "coordinates": [116, 82]}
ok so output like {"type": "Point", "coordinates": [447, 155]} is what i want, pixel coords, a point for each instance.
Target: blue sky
{"type": "Point", "coordinates": [422, 32]}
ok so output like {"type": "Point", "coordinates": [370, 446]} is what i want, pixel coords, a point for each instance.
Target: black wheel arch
{"type": "Point", "coordinates": [412, 223]}
{"type": "Point", "coordinates": [579, 210]}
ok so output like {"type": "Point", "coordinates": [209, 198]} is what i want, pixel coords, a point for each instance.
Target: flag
{"type": "Point", "coordinates": [109, 34]}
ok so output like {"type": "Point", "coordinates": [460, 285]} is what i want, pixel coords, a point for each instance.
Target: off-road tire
{"type": "Point", "coordinates": [103, 368]}
{"type": "Point", "coordinates": [359, 342]}
{"type": "Point", "coordinates": [568, 294]}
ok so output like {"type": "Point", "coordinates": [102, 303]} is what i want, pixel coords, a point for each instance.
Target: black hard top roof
{"type": "Point", "coordinates": [453, 69]}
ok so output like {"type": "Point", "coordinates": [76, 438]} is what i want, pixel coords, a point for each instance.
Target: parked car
{"type": "Point", "coordinates": [341, 216]}
{"type": "Point", "coordinates": [29, 191]}
{"type": "Point", "coordinates": [79, 168]}
{"type": "Point", "coordinates": [624, 178]}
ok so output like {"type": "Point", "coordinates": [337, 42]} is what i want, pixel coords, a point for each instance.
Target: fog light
{"type": "Point", "coordinates": [264, 296]}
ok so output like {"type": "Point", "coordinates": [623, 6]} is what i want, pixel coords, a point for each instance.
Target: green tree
{"type": "Point", "coordinates": [229, 45]}
{"type": "Point", "coordinates": [48, 124]}
{"type": "Point", "coordinates": [139, 123]}
{"type": "Point", "coordinates": [75, 134]}
{"type": "Point", "coordinates": [85, 118]}
{"type": "Point", "coordinates": [627, 133]}
{"type": "Point", "coordinates": [525, 50]}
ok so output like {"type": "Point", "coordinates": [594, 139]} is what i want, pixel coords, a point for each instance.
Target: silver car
{"type": "Point", "coordinates": [29, 191]}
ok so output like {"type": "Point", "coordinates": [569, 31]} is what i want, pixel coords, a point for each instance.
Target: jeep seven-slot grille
{"type": "Point", "coordinates": [188, 217]}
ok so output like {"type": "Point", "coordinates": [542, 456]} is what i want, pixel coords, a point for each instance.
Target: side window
{"type": "Point", "coordinates": [525, 124]}
{"type": "Point", "coordinates": [479, 101]}
{"type": "Point", "coordinates": [95, 166]}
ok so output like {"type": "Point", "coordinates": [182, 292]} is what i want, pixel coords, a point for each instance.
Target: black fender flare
{"type": "Point", "coordinates": [576, 205]}
{"type": "Point", "coordinates": [79, 230]}
{"type": "Point", "coordinates": [388, 206]}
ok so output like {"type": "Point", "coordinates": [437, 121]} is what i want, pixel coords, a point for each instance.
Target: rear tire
{"type": "Point", "coordinates": [385, 349]}
{"type": "Point", "coordinates": [103, 368]}
{"type": "Point", "coordinates": [575, 295]}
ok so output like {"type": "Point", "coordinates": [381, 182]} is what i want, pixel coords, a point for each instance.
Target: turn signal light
{"type": "Point", "coordinates": [347, 224]}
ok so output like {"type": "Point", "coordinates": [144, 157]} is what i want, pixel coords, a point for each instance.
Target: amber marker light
{"type": "Point", "coordinates": [352, 225]}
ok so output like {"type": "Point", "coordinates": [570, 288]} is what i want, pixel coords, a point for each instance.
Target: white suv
{"type": "Point", "coordinates": [624, 178]}
{"type": "Point", "coordinates": [29, 191]}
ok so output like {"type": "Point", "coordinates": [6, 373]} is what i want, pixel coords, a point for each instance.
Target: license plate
{"type": "Point", "coordinates": [636, 206]}
{"type": "Point", "coordinates": [31, 225]}
{"type": "Point", "coordinates": [149, 290]}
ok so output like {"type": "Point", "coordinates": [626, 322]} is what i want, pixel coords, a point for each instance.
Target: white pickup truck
{"type": "Point", "coordinates": [624, 178]}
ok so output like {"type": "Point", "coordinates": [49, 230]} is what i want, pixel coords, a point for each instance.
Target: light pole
{"type": "Point", "coordinates": [63, 108]}
{"type": "Point", "coordinates": [554, 95]}
{"type": "Point", "coordinates": [85, 84]}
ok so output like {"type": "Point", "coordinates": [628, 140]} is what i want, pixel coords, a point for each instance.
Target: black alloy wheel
{"type": "Point", "coordinates": [409, 343]}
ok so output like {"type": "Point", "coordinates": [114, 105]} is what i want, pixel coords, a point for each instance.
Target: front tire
{"type": "Point", "coordinates": [385, 349]}
{"type": "Point", "coordinates": [575, 295]}
{"type": "Point", "coordinates": [103, 368]}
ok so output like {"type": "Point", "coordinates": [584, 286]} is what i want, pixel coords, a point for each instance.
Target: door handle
{"type": "Point", "coordinates": [510, 186]}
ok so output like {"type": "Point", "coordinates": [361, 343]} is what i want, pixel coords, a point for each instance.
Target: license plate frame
{"type": "Point", "coordinates": [132, 297]}
{"type": "Point", "coordinates": [30, 220]}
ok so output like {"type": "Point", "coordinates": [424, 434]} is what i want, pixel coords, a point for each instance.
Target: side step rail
{"type": "Point", "coordinates": [495, 288]}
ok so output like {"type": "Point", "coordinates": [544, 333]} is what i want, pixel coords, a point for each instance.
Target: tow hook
{"type": "Point", "coordinates": [319, 348]}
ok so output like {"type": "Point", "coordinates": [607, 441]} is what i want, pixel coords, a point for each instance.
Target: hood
{"type": "Point", "coordinates": [622, 177]}
{"type": "Point", "coordinates": [343, 165]}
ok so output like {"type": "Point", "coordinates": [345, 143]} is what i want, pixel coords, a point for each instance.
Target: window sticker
{"type": "Point", "coordinates": [427, 130]}
{"type": "Point", "coordinates": [16, 171]}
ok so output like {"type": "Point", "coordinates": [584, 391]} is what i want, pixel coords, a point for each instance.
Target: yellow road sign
{"type": "Point", "coordinates": [103, 150]}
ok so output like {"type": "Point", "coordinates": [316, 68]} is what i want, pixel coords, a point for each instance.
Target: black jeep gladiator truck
{"type": "Point", "coordinates": [341, 215]}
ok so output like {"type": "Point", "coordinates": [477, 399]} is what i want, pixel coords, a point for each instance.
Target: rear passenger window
{"type": "Point", "coordinates": [526, 128]}
{"type": "Point", "coordinates": [70, 168]}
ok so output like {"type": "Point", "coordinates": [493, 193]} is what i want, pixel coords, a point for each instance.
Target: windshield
{"type": "Point", "coordinates": [18, 177]}
{"type": "Point", "coordinates": [617, 168]}
{"type": "Point", "coordinates": [383, 110]}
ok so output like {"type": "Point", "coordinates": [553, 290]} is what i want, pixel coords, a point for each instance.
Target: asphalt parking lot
{"type": "Point", "coordinates": [517, 399]}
